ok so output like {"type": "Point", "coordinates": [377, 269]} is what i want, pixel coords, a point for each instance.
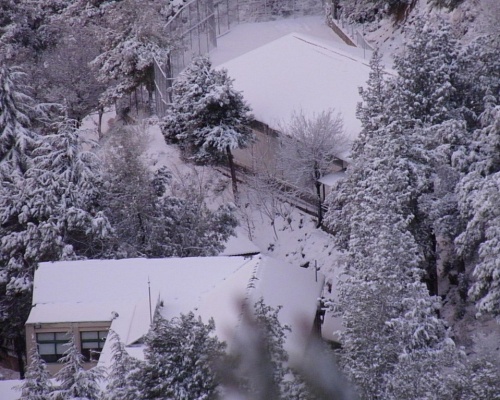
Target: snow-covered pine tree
{"type": "Point", "coordinates": [391, 325]}
{"type": "Point", "coordinates": [179, 360]}
{"type": "Point", "coordinates": [372, 112]}
{"type": "Point", "coordinates": [479, 204]}
{"type": "Point", "coordinates": [479, 75]}
{"type": "Point", "coordinates": [132, 35]}
{"type": "Point", "coordinates": [16, 114]}
{"type": "Point", "coordinates": [427, 78]}
{"type": "Point", "coordinates": [122, 366]}
{"type": "Point", "coordinates": [209, 118]}
{"type": "Point", "coordinates": [36, 385]}
{"type": "Point", "coordinates": [69, 204]}
{"type": "Point", "coordinates": [75, 382]}
{"type": "Point", "coordinates": [48, 212]}
{"type": "Point", "coordinates": [17, 141]}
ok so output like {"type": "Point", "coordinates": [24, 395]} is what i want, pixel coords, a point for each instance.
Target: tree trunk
{"type": "Point", "coordinates": [233, 173]}
{"type": "Point", "coordinates": [335, 9]}
{"type": "Point", "coordinates": [20, 350]}
{"type": "Point", "coordinates": [317, 176]}
{"type": "Point", "coordinates": [99, 124]}
{"type": "Point", "coordinates": [432, 269]}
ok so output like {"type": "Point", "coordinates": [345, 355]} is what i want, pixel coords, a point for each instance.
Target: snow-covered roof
{"type": "Point", "coordinates": [211, 287]}
{"type": "Point", "coordinates": [332, 178]}
{"type": "Point", "coordinates": [300, 72]}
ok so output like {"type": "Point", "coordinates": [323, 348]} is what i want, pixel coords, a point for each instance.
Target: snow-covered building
{"type": "Point", "coordinates": [90, 297]}
{"type": "Point", "coordinates": [297, 72]}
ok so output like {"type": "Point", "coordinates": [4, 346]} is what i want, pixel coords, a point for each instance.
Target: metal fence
{"type": "Point", "coordinates": [267, 10]}
{"type": "Point", "coordinates": [197, 25]}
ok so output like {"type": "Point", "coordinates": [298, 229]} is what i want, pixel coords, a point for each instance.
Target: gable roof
{"type": "Point", "coordinates": [117, 291]}
{"type": "Point", "coordinates": [300, 72]}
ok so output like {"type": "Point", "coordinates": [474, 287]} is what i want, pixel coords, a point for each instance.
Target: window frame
{"type": "Point", "coordinates": [91, 354]}
{"type": "Point", "coordinates": [55, 356]}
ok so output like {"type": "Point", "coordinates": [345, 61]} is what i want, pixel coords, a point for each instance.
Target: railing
{"type": "Point", "coordinates": [356, 36]}
{"type": "Point", "coordinates": [348, 31]}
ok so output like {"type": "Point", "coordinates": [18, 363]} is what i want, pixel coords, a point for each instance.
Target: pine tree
{"type": "Point", "coordinates": [74, 381]}
{"type": "Point", "coordinates": [372, 111]}
{"type": "Point", "coordinates": [16, 113]}
{"type": "Point", "coordinates": [17, 141]}
{"type": "Point", "coordinates": [132, 35]}
{"type": "Point", "coordinates": [427, 80]}
{"type": "Point", "coordinates": [478, 195]}
{"type": "Point", "coordinates": [49, 212]}
{"type": "Point", "coordinates": [178, 360]}
{"type": "Point", "coordinates": [122, 366]}
{"type": "Point", "coordinates": [392, 334]}
{"type": "Point", "coordinates": [36, 385]}
{"type": "Point", "coordinates": [209, 118]}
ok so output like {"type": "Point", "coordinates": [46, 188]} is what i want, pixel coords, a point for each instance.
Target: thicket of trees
{"type": "Point", "coordinates": [421, 194]}
{"type": "Point", "coordinates": [57, 200]}
{"type": "Point", "coordinates": [422, 173]}
{"type": "Point", "coordinates": [150, 219]}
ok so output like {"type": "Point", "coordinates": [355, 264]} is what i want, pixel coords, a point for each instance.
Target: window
{"type": "Point", "coordinates": [52, 345]}
{"type": "Point", "coordinates": [92, 344]}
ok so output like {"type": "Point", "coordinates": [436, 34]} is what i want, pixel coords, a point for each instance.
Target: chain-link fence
{"type": "Point", "coordinates": [268, 10]}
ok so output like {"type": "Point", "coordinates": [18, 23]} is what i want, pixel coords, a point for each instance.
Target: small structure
{"type": "Point", "coordinates": [297, 72]}
{"type": "Point", "coordinates": [88, 298]}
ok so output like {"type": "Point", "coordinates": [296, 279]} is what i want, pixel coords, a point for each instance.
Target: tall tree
{"type": "Point", "coordinates": [478, 195]}
{"type": "Point", "coordinates": [17, 141]}
{"type": "Point", "coordinates": [16, 117]}
{"type": "Point", "coordinates": [377, 216]}
{"type": "Point", "coordinates": [48, 211]}
{"type": "Point", "coordinates": [390, 321]}
{"type": "Point", "coordinates": [426, 85]}
{"type": "Point", "coordinates": [209, 118]}
{"type": "Point", "coordinates": [132, 35]}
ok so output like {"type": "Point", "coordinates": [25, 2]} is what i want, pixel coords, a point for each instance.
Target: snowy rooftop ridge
{"type": "Point", "coordinates": [300, 72]}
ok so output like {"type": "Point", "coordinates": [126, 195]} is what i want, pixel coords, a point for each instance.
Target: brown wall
{"type": "Point", "coordinates": [261, 155]}
{"type": "Point", "coordinates": [74, 327]}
